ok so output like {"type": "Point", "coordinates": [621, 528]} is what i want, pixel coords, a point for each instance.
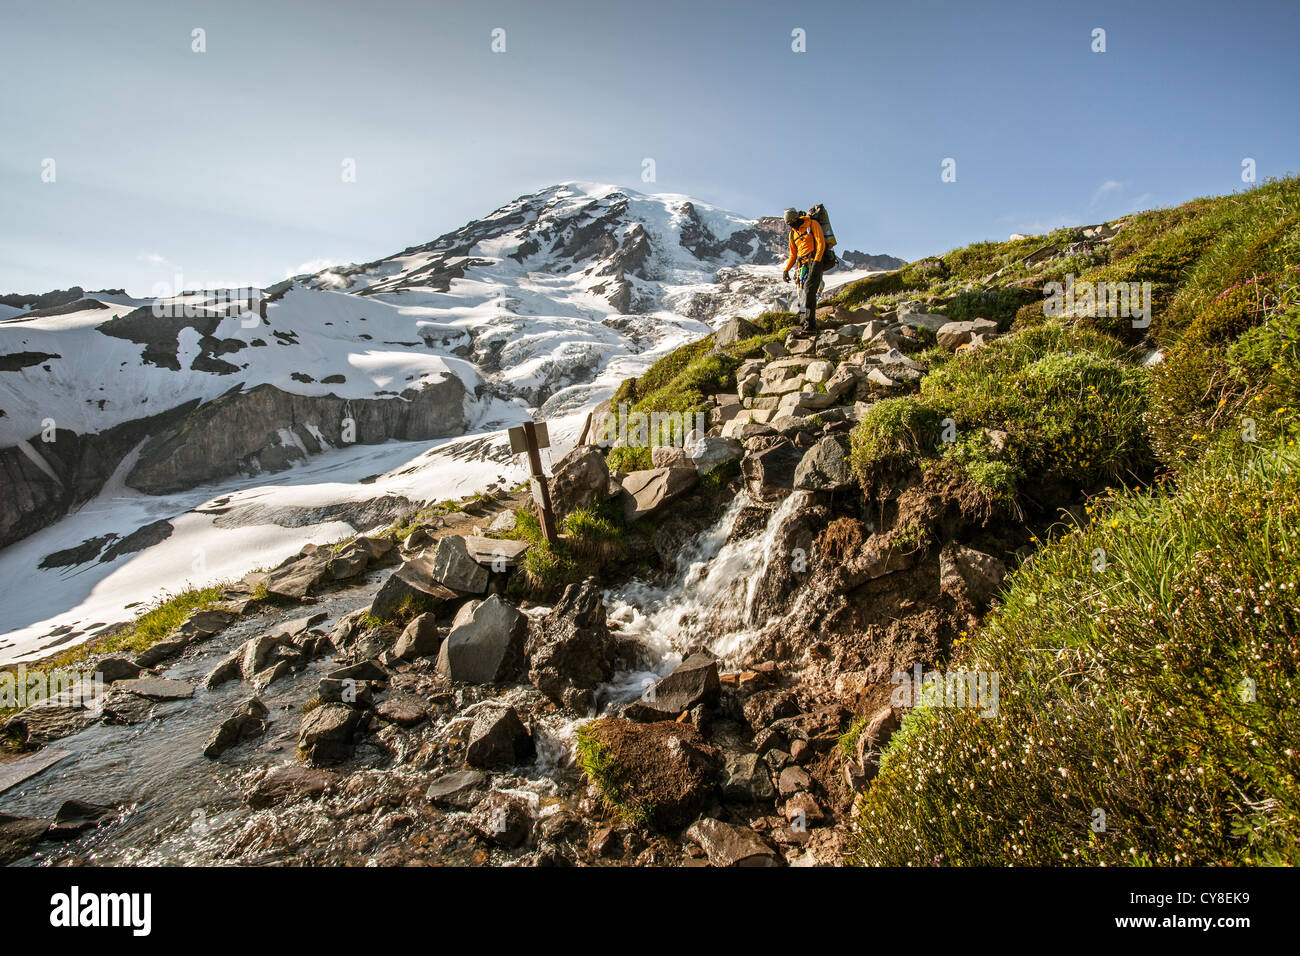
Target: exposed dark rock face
{"type": "Point", "coordinates": [239, 432]}
{"type": "Point", "coordinates": [499, 739]}
{"type": "Point", "coordinates": [138, 540]}
{"type": "Point", "coordinates": [47, 300]}
{"type": "Point", "coordinates": [20, 360]}
{"type": "Point", "coordinates": [159, 334]}
{"type": "Point", "coordinates": [572, 651]}
{"type": "Point", "coordinates": [79, 464]}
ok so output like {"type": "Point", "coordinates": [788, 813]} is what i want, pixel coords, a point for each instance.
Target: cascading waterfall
{"type": "Point", "coordinates": [710, 601]}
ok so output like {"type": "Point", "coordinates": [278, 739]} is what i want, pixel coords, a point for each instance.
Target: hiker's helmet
{"type": "Point", "coordinates": [792, 217]}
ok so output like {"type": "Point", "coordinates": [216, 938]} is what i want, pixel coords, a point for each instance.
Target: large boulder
{"type": "Point", "coordinates": [733, 331]}
{"type": "Point", "coordinates": [769, 473]}
{"type": "Point", "coordinates": [456, 569]}
{"type": "Point", "coordinates": [644, 492]}
{"type": "Point", "coordinates": [824, 467]}
{"type": "Point", "coordinates": [411, 586]}
{"type": "Point", "coordinates": [421, 638]}
{"type": "Point", "coordinates": [485, 643]}
{"type": "Point", "coordinates": [294, 577]}
{"type": "Point", "coordinates": [579, 480]}
{"type": "Point", "coordinates": [248, 721]}
{"type": "Point", "coordinates": [708, 453]}
{"type": "Point", "coordinates": [572, 652]}
{"type": "Point", "coordinates": [694, 681]}
{"type": "Point", "coordinates": [663, 773]}
{"type": "Point", "coordinates": [974, 575]}
{"type": "Point", "coordinates": [498, 739]}
{"type": "Point", "coordinates": [726, 844]}
{"type": "Point", "coordinates": [326, 733]}
{"type": "Point", "coordinates": [953, 334]}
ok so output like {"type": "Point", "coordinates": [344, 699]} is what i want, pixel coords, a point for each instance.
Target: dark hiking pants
{"type": "Point", "coordinates": [808, 304]}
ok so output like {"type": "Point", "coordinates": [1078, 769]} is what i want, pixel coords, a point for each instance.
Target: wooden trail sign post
{"type": "Point", "coordinates": [532, 437]}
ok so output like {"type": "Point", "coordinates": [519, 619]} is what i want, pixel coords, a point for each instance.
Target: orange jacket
{"type": "Point", "coordinates": [806, 242]}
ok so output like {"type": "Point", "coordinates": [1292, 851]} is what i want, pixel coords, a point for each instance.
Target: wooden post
{"type": "Point", "coordinates": [540, 489]}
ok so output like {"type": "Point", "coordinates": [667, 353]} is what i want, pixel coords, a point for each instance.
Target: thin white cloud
{"type": "Point", "coordinates": [1107, 188]}
{"type": "Point", "coordinates": [157, 259]}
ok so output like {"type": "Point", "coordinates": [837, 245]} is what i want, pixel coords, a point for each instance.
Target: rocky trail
{"type": "Point", "coordinates": [398, 701]}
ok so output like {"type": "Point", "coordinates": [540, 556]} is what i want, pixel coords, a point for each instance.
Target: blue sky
{"type": "Point", "coordinates": [226, 165]}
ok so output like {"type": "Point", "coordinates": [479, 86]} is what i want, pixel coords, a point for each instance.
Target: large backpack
{"type": "Point", "coordinates": [818, 212]}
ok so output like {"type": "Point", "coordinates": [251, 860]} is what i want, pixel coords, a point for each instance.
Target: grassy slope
{"type": "Point", "coordinates": [1123, 689]}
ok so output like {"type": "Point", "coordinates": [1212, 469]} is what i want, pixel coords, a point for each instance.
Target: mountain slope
{"type": "Point", "coordinates": [141, 409]}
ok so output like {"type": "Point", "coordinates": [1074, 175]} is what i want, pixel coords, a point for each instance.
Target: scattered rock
{"type": "Point", "coordinates": [497, 554]}
{"type": "Point", "coordinates": [297, 575]}
{"type": "Point", "coordinates": [156, 688]}
{"type": "Point", "coordinates": [412, 585]}
{"type": "Point", "coordinates": [824, 467]}
{"type": "Point", "coordinates": [499, 739]}
{"type": "Point", "coordinates": [18, 835]}
{"type": "Point", "coordinates": [769, 473]}
{"type": "Point", "coordinates": [708, 453]}
{"type": "Point", "coordinates": [794, 779]}
{"type": "Point", "coordinates": [668, 456]}
{"type": "Point", "coordinates": [502, 819]}
{"type": "Point", "coordinates": [694, 681]}
{"type": "Point", "coordinates": [952, 334]}
{"type": "Point", "coordinates": [457, 789]}
{"type": "Point", "coordinates": [37, 726]}
{"type": "Point", "coordinates": [503, 523]}
{"type": "Point", "coordinates": [579, 480]}
{"type": "Point", "coordinates": [405, 710]}
{"type": "Point", "coordinates": [746, 779]}
{"type": "Point", "coordinates": [965, 572]}
{"type": "Point", "coordinates": [644, 492]}
{"type": "Point", "coordinates": [730, 845]}
{"type": "Point", "coordinates": [420, 638]}
{"type": "Point", "coordinates": [485, 643]}
{"type": "Point", "coordinates": [113, 669]}
{"type": "Point", "coordinates": [289, 782]}
{"type": "Point", "coordinates": [803, 810]}
{"type": "Point", "coordinates": [455, 568]}
{"type": "Point", "coordinates": [326, 733]}
{"type": "Point", "coordinates": [77, 816]}
{"type": "Point", "coordinates": [246, 722]}
{"type": "Point", "coordinates": [733, 331]}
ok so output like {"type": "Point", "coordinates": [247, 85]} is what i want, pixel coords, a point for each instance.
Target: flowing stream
{"type": "Point", "coordinates": [179, 807]}
{"type": "Point", "coordinates": [710, 602]}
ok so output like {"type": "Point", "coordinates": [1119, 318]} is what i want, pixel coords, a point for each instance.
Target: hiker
{"type": "Point", "coordinates": [807, 248]}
